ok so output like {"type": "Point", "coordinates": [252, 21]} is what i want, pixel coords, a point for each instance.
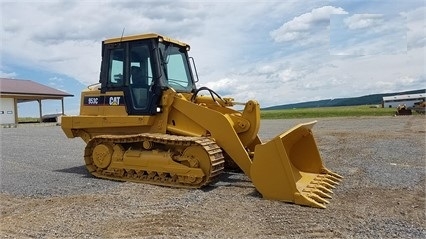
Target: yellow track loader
{"type": "Point", "coordinates": [146, 121]}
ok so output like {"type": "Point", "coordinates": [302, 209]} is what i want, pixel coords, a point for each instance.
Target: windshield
{"type": "Point", "coordinates": [176, 68]}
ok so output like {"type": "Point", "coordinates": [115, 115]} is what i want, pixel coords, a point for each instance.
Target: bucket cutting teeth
{"type": "Point", "coordinates": [328, 179]}
{"type": "Point", "coordinates": [318, 199]}
{"type": "Point", "coordinates": [320, 188]}
{"type": "Point", "coordinates": [335, 175]}
{"type": "Point", "coordinates": [331, 175]}
{"type": "Point", "coordinates": [334, 178]}
{"type": "Point", "coordinates": [323, 183]}
{"type": "Point", "coordinates": [318, 192]}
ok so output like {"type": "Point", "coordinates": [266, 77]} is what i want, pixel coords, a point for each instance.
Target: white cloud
{"type": "Point", "coordinates": [416, 27]}
{"type": "Point", "coordinates": [300, 26]}
{"type": "Point", "coordinates": [360, 21]}
{"type": "Point", "coordinates": [11, 75]}
{"type": "Point", "coordinates": [368, 34]}
{"type": "Point", "coordinates": [276, 52]}
{"type": "Point", "coordinates": [66, 36]}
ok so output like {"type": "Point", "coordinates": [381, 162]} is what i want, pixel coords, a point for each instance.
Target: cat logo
{"type": "Point", "coordinates": [114, 100]}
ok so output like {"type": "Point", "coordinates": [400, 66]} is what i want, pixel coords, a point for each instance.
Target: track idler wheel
{"type": "Point", "coordinates": [102, 155]}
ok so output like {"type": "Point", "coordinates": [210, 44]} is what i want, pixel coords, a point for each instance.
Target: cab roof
{"type": "Point", "coordinates": [143, 36]}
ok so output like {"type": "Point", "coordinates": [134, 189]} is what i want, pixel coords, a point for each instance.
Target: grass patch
{"type": "Point", "coordinates": [318, 112]}
{"type": "Point", "coordinates": [340, 111]}
{"type": "Point", "coordinates": [28, 120]}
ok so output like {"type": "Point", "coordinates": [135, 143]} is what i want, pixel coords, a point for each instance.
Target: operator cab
{"type": "Point", "coordinates": [143, 66]}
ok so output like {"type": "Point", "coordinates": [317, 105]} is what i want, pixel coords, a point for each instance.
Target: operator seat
{"type": "Point", "coordinates": [139, 86]}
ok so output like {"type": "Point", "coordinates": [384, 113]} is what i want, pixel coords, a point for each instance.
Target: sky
{"type": "Point", "coordinates": [276, 52]}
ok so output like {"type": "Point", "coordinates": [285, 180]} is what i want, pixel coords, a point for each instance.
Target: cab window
{"type": "Point", "coordinates": [176, 67]}
{"type": "Point", "coordinates": [116, 68]}
{"type": "Point", "coordinates": [140, 65]}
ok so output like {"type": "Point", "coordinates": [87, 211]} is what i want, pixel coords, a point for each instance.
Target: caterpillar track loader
{"type": "Point", "coordinates": [146, 121]}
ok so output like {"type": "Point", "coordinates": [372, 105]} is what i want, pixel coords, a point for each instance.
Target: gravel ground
{"type": "Point", "coordinates": [47, 193]}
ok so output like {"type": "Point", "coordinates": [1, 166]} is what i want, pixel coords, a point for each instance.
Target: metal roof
{"type": "Point", "coordinates": [404, 97]}
{"type": "Point", "coordinates": [143, 36]}
{"type": "Point", "coordinates": [15, 87]}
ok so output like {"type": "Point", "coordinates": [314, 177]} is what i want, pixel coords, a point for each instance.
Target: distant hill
{"type": "Point", "coordinates": [362, 100]}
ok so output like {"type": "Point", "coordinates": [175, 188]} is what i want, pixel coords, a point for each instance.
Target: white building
{"type": "Point", "coordinates": [7, 111]}
{"type": "Point", "coordinates": [408, 100]}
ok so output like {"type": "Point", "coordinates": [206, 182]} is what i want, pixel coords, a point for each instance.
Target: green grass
{"type": "Point", "coordinates": [341, 111]}
{"type": "Point", "coordinates": [28, 120]}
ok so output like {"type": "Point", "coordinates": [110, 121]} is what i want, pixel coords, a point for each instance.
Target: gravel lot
{"type": "Point", "coordinates": [47, 193]}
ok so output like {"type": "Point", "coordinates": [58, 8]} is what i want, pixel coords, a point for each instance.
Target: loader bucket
{"type": "Point", "coordinates": [289, 168]}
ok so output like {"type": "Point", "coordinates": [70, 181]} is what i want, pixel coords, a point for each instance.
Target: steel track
{"type": "Point", "coordinates": [149, 175]}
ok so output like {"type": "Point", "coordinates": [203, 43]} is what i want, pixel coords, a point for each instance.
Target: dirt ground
{"type": "Point", "coordinates": [382, 195]}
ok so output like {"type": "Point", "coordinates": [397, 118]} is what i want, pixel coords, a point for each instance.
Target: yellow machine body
{"type": "Point", "coordinates": [186, 141]}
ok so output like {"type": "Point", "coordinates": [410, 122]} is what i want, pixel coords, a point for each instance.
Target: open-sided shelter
{"type": "Point", "coordinates": [14, 91]}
